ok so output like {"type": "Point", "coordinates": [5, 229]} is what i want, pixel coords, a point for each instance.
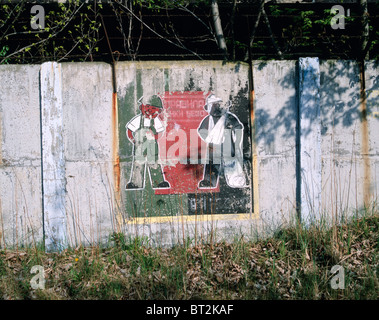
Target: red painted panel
{"type": "Point", "coordinates": [183, 112]}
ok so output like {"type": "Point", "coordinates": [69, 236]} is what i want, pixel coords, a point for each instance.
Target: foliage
{"type": "Point", "coordinates": [180, 29]}
{"type": "Point", "coordinates": [69, 26]}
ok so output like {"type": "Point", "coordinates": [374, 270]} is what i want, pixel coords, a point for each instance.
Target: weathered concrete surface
{"type": "Point", "coordinates": [275, 114]}
{"type": "Point", "coordinates": [342, 138]}
{"type": "Point", "coordinates": [53, 162]}
{"type": "Point", "coordinates": [197, 229]}
{"type": "Point", "coordinates": [372, 104]}
{"type": "Point", "coordinates": [87, 121]}
{"type": "Point", "coordinates": [20, 156]}
{"type": "Point", "coordinates": [84, 142]}
{"type": "Point", "coordinates": [310, 140]}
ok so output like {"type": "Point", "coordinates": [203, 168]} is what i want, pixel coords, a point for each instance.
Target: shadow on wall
{"type": "Point", "coordinates": [341, 112]}
{"type": "Point", "coordinates": [334, 110]}
{"type": "Point", "coordinates": [345, 112]}
{"type": "Point", "coordinates": [267, 126]}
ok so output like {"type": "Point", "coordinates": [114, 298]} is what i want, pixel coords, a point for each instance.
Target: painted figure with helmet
{"type": "Point", "coordinates": [143, 131]}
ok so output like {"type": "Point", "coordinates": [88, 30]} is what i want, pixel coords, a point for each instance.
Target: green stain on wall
{"type": "Point", "coordinates": [125, 113]}
{"type": "Point", "coordinates": [166, 80]}
{"type": "Point", "coordinates": [139, 83]}
{"type": "Point", "coordinates": [144, 203]}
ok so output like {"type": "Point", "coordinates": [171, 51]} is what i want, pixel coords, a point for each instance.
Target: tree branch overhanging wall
{"type": "Point", "coordinates": [184, 30]}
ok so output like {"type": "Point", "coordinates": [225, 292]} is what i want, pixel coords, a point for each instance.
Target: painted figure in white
{"type": "Point", "coordinates": [223, 133]}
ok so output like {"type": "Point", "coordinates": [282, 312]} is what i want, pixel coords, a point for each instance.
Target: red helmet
{"type": "Point", "coordinates": [149, 110]}
{"type": "Point", "coordinates": [153, 107]}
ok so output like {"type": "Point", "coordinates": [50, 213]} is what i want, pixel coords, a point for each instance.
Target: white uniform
{"type": "Point", "coordinates": [134, 124]}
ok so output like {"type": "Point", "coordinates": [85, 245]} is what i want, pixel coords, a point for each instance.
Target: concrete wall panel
{"type": "Point", "coordinates": [21, 222]}
{"type": "Point", "coordinates": [372, 105]}
{"type": "Point", "coordinates": [87, 116]}
{"type": "Point", "coordinates": [275, 114]}
{"type": "Point", "coordinates": [20, 156]}
{"type": "Point", "coordinates": [342, 137]}
{"type": "Point", "coordinates": [20, 118]}
{"type": "Point", "coordinates": [89, 147]}
{"type": "Point", "coordinates": [90, 204]}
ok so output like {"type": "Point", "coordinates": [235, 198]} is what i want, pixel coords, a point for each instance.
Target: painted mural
{"type": "Point", "coordinates": [188, 154]}
{"type": "Point", "coordinates": [222, 131]}
{"type": "Point", "coordinates": [143, 131]}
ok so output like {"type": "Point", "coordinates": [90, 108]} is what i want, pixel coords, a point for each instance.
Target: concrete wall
{"type": "Point", "coordinates": [21, 217]}
{"type": "Point", "coordinates": [349, 134]}
{"type": "Point", "coordinates": [275, 139]}
{"type": "Point", "coordinates": [313, 144]}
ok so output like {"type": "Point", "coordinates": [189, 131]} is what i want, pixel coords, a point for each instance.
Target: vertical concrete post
{"type": "Point", "coordinates": [310, 140]}
{"type": "Point", "coordinates": [53, 163]}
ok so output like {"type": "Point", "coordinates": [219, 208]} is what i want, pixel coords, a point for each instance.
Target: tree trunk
{"type": "Point", "coordinates": [218, 28]}
{"type": "Point", "coordinates": [365, 29]}
{"type": "Point", "coordinates": [268, 25]}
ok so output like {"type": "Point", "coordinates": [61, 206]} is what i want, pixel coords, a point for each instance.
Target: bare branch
{"type": "Point", "coordinates": [21, 4]}
{"type": "Point", "coordinates": [69, 51]}
{"type": "Point", "coordinates": [255, 27]}
{"type": "Point", "coordinates": [156, 33]}
{"type": "Point", "coordinates": [126, 42]}
{"type": "Point", "coordinates": [198, 19]}
{"type": "Point", "coordinates": [139, 38]}
{"type": "Point", "coordinates": [267, 21]}
{"type": "Point", "coordinates": [232, 27]}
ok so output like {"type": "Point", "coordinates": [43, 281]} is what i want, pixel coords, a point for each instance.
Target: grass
{"type": "Point", "coordinates": [294, 264]}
